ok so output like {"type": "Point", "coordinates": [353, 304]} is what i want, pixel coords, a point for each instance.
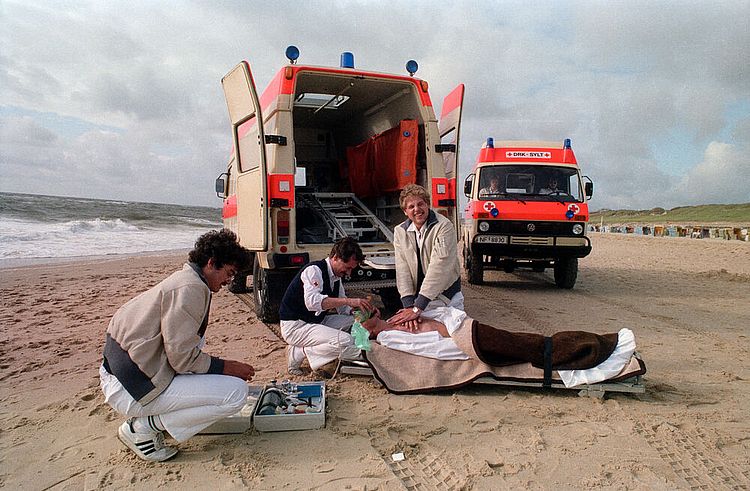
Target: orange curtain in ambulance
{"type": "Point", "coordinates": [385, 162]}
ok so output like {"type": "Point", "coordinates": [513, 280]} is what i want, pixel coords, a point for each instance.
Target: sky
{"type": "Point", "coordinates": [123, 100]}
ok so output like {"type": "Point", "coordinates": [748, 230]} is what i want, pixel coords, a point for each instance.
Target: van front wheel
{"type": "Point", "coordinates": [475, 268]}
{"type": "Point", "coordinates": [268, 289]}
{"type": "Point", "coordinates": [566, 272]}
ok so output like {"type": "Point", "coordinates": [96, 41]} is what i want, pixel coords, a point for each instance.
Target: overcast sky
{"type": "Point", "coordinates": [104, 100]}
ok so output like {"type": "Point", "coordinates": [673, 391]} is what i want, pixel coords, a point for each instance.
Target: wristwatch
{"type": "Point", "coordinates": [416, 310]}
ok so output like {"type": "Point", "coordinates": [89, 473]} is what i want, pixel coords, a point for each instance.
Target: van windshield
{"type": "Point", "coordinates": [532, 182]}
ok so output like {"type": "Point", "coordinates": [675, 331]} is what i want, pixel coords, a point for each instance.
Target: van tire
{"type": "Point", "coordinates": [566, 272]}
{"type": "Point", "coordinates": [475, 268]}
{"type": "Point", "coordinates": [268, 289]}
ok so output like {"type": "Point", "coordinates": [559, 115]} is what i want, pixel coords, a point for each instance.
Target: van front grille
{"type": "Point", "coordinates": [537, 241]}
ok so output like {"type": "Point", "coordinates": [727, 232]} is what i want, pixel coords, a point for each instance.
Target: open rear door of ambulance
{"type": "Point", "coordinates": [449, 127]}
{"type": "Point", "coordinates": [249, 150]}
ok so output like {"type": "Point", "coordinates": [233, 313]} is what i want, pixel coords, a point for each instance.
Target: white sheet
{"type": "Point", "coordinates": [606, 369]}
{"type": "Point", "coordinates": [428, 344]}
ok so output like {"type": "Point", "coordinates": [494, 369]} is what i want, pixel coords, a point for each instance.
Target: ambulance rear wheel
{"type": "Point", "coordinates": [566, 272]}
{"type": "Point", "coordinates": [239, 283]}
{"type": "Point", "coordinates": [268, 289]}
{"type": "Point", "coordinates": [475, 268]}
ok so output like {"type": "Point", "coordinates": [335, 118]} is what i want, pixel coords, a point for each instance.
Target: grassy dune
{"type": "Point", "coordinates": [702, 214]}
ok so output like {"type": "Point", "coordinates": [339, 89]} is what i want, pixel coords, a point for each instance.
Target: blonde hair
{"type": "Point", "coordinates": [413, 191]}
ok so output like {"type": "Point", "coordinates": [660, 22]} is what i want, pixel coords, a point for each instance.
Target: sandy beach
{"type": "Point", "coordinates": [686, 300]}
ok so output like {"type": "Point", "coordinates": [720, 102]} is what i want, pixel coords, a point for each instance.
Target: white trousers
{"type": "Point", "coordinates": [322, 342]}
{"type": "Point", "coordinates": [191, 403]}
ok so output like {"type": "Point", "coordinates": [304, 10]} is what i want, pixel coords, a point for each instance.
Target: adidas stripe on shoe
{"type": "Point", "coordinates": [147, 446]}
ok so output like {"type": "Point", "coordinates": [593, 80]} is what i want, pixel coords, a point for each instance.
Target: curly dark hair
{"type": "Point", "coordinates": [223, 247]}
{"type": "Point", "coordinates": [345, 248]}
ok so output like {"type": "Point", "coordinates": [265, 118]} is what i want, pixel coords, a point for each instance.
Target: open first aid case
{"type": "Point", "coordinates": [277, 407]}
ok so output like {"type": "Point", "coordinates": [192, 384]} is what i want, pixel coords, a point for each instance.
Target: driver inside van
{"type": "Point", "coordinates": [492, 189]}
{"type": "Point", "coordinates": [551, 187]}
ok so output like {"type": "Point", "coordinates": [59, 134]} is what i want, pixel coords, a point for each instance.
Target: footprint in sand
{"type": "Point", "coordinates": [325, 467]}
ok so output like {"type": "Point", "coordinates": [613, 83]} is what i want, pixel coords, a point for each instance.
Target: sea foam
{"type": "Point", "coordinates": [54, 227]}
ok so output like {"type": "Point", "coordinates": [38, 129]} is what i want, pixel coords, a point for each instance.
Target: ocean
{"type": "Point", "coordinates": [36, 227]}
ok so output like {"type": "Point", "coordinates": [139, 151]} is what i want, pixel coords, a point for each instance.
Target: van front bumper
{"type": "Point", "coordinates": [531, 247]}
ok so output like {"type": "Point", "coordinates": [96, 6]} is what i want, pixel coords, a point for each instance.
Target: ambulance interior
{"type": "Point", "coordinates": [358, 141]}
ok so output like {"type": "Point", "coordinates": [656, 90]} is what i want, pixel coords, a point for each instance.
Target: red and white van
{"type": "Point", "coordinates": [527, 208]}
{"type": "Point", "coordinates": [322, 153]}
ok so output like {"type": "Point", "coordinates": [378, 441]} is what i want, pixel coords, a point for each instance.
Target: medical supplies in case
{"type": "Point", "coordinates": [277, 407]}
{"type": "Point", "coordinates": [291, 406]}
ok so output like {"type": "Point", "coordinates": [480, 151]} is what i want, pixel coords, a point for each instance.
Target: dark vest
{"type": "Point", "coordinates": [293, 303]}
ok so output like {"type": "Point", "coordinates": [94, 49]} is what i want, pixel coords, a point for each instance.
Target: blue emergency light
{"type": "Point", "coordinates": [569, 214]}
{"type": "Point", "coordinates": [567, 143]}
{"type": "Point", "coordinates": [490, 142]}
{"type": "Point", "coordinates": [292, 53]}
{"type": "Point", "coordinates": [412, 67]}
{"type": "Point", "coordinates": [494, 212]}
{"type": "Point", "coordinates": [347, 60]}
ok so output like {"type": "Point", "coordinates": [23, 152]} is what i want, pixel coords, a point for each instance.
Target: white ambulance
{"type": "Point", "coordinates": [323, 153]}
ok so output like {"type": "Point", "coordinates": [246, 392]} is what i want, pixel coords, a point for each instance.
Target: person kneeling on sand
{"type": "Point", "coordinates": [306, 326]}
{"type": "Point", "coordinates": [154, 370]}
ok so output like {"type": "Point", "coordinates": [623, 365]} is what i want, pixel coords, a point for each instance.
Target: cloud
{"type": "Point", "coordinates": [723, 177]}
{"type": "Point", "coordinates": [140, 85]}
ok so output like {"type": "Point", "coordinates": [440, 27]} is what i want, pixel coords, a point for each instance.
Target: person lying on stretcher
{"type": "Point", "coordinates": [449, 334]}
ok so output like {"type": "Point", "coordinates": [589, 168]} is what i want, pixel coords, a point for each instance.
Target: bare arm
{"type": "Point", "coordinates": [355, 303]}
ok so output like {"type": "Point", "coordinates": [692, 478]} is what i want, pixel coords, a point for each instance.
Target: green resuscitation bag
{"type": "Point", "coordinates": [359, 333]}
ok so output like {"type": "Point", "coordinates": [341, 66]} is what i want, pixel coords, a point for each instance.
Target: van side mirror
{"type": "Point", "coordinates": [468, 185]}
{"type": "Point", "coordinates": [221, 185]}
{"type": "Point", "coordinates": [588, 188]}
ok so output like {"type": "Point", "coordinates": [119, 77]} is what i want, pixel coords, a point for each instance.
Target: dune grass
{"type": "Point", "coordinates": [738, 214]}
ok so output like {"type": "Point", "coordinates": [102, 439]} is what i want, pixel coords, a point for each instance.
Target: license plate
{"type": "Point", "coordinates": [492, 239]}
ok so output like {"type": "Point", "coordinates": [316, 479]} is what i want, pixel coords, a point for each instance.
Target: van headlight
{"type": "Point", "coordinates": [578, 229]}
{"type": "Point", "coordinates": [484, 226]}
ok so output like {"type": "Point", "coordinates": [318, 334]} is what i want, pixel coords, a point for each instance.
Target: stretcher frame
{"type": "Point", "coordinates": [631, 385]}
{"type": "Point", "coordinates": [340, 210]}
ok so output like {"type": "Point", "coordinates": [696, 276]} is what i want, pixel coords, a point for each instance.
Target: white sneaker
{"type": "Point", "coordinates": [294, 358]}
{"type": "Point", "coordinates": [148, 446]}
